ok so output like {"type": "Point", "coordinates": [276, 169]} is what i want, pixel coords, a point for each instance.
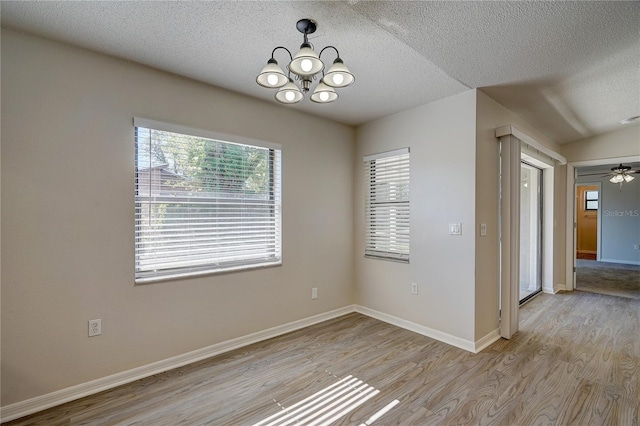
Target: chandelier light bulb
{"type": "Point", "coordinates": [272, 79]}
{"type": "Point", "coordinates": [306, 65]}
{"type": "Point", "coordinates": [324, 96]}
{"type": "Point", "coordinates": [338, 79]}
{"type": "Point", "coordinates": [289, 95]}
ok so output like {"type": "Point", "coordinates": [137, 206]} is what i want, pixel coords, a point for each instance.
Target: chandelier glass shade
{"type": "Point", "coordinates": [306, 62]}
{"type": "Point", "coordinates": [305, 65]}
{"type": "Point", "coordinates": [338, 75]}
{"type": "Point", "coordinates": [621, 178]}
{"type": "Point", "coordinates": [272, 75]}
{"type": "Point", "coordinates": [289, 93]}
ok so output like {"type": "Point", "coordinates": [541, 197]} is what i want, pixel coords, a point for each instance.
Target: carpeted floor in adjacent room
{"type": "Point", "coordinates": [614, 279]}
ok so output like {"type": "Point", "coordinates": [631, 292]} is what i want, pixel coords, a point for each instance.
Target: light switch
{"type": "Point", "coordinates": [483, 229]}
{"type": "Point", "coordinates": [455, 229]}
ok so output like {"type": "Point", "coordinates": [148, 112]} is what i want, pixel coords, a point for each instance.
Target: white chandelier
{"type": "Point", "coordinates": [305, 65]}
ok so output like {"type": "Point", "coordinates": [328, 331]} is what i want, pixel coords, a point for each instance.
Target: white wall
{"type": "Point", "coordinates": [624, 142]}
{"type": "Point", "coordinates": [68, 219]}
{"type": "Point", "coordinates": [441, 137]}
{"type": "Point", "coordinates": [619, 220]}
{"type": "Point", "coordinates": [454, 178]}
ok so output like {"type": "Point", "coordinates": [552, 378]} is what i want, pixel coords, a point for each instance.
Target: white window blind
{"type": "Point", "coordinates": [387, 205]}
{"type": "Point", "coordinates": [203, 205]}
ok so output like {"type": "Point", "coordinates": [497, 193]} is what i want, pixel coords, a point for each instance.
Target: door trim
{"type": "Point", "coordinates": [510, 157]}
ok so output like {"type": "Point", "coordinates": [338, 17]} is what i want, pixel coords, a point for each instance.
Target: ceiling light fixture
{"type": "Point", "coordinates": [622, 174]}
{"type": "Point", "coordinates": [305, 65]}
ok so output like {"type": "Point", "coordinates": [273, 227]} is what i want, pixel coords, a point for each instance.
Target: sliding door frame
{"type": "Point", "coordinates": [511, 140]}
{"type": "Point", "coordinates": [540, 232]}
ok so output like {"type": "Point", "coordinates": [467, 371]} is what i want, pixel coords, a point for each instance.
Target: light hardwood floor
{"type": "Point", "coordinates": [575, 361]}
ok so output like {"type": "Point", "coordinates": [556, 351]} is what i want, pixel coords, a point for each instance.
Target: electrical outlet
{"type": "Point", "coordinates": [314, 293]}
{"type": "Point", "coordinates": [414, 288]}
{"type": "Point", "coordinates": [95, 327]}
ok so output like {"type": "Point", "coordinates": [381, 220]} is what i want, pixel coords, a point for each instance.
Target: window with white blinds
{"type": "Point", "coordinates": [387, 205]}
{"type": "Point", "coordinates": [203, 204]}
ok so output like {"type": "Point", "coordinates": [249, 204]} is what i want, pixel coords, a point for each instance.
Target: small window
{"type": "Point", "coordinates": [203, 204]}
{"type": "Point", "coordinates": [591, 200]}
{"type": "Point", "coordinates": [387, 205]}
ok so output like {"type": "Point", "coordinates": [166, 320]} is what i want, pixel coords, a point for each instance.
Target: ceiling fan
{"type": "Point", "coordinates": [619, 174]}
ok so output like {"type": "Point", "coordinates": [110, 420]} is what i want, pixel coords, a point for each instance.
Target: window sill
{"type": "Point", "coordinates": [197, 274]}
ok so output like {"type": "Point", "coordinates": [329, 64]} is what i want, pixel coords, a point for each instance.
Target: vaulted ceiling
{"type": "Point", "coordinates": [572, 69]}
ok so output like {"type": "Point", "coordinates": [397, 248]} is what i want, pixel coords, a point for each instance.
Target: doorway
{"type": "Point", "coordinates": [617, 248]}
{"type": "Point", "coordinates": [530, 231]}
{"type": "Point", "coordinates": [587, 203]}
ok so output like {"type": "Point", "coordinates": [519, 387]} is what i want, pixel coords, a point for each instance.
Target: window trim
{"type": "Point", "coordinates": [145, 278]}
{"type": "Point", "coordinates": [208, 134]}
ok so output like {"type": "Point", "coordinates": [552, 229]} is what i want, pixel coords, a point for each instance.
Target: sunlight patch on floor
{"type": "Point", "coordinates": [326, 406]}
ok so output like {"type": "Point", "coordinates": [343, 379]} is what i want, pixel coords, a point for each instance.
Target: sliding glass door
{"type": "Point", "coordinates": [530, 232]}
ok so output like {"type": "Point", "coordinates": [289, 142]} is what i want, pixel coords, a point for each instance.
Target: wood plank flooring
{"type": "Point", "coordinates": [575, 361]}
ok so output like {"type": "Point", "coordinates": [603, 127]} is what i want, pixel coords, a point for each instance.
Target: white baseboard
{"type": "Point", "coordinates": [553, 290]}
{"type": "Point", "coordinates": [625, 262]}
{"type": "Point", "coordinates": [39, 403]}
{"type": "Point", "coordinates": [487, 340]}
{"type": "Point", "coordinates": [417, 328]}
{"type": "Point", "coordinates": [559, 287]}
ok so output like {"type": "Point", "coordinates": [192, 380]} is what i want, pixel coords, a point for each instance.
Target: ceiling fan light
{"type": "Point", "coordinates": [338, 75]}
{"type": "Point", "coordinates": [272, 76]}
{"type": "Point", "coordinates": [628, 178]}
{"type": "Point", "coordinates": [616, 179]}
{"type": "Point", "coordinates": [324, 94]}
{"type": "Point", "coordinates": [306, 62]}
{"type": "Point", "coordinates": [289, 94]}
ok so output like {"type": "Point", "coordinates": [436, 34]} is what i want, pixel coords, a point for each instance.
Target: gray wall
{"type": "Point", "coordinates": [619, 219]}
{"type": "Point", "coordinates": [68, 219]}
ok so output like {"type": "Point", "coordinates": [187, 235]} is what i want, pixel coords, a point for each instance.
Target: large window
{"type": "Point", "coordinates": [203, 204]}
{"type": "Point", "coordinates": [387, 205]}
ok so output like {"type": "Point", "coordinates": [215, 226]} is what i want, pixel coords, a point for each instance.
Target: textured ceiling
{"type": "Point", "coordinates": [572, 69]}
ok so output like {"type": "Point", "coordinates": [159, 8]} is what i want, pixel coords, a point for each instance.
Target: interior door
{"type": "Point", "coordinates": [587, 199]}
